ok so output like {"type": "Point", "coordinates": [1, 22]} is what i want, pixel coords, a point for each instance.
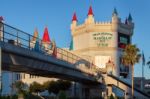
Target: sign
{"type": "Point", "coordinates": [102, 39]}
{"type": "Point", "coordinates": [123, 40]}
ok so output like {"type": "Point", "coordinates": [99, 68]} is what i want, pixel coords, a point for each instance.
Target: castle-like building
{"type": "Point", "coordinates": [103, 42]}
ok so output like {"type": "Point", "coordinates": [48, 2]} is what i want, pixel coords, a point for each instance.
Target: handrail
{"type": "Point", "coordinates": [24, 39]}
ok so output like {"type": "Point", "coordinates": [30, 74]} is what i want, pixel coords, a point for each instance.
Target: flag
{"type": "Point", "coordinates": [143, 59]}
{"type": "Point", "coordinates": [54, 54]}
{"type": "Point", "coordinates": [71, 45]}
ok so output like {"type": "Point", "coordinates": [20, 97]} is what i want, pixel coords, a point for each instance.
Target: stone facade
{"type": "Point", "coordinates": [100, 41]}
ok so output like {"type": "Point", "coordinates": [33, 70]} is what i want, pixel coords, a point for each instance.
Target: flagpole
{"type": "Point", "coordinates": [143, 63]}
{"type": "Point", "coordinates": [142, 76]}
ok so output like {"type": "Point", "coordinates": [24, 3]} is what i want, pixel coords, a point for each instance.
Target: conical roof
{"type": "Point", "coordinates": [35, 35]}
{"type": "Point", "coordinates": [130, 17]}
{"type": "Point", "coordinates": [46, 37]}
{"type": "Point", "coordinates": [90, 11]}
{"type": "Point", "coordinates": [115, 12]}
{"type": "Point", "coordinates": [74, 18]}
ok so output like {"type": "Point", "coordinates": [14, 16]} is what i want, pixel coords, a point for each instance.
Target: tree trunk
{"type": "Point", "coordinates": [132, 81]}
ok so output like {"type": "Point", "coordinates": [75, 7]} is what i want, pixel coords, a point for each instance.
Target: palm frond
{"type": "Point", "coordinates": [131, 55]}
{"type": "Point", "coordinates": [148, 63]}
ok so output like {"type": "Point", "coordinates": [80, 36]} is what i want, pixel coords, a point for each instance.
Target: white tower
{"type": "Point", "coordinates": [102, 41]}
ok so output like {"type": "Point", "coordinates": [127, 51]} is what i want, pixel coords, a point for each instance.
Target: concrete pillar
{"type": "Point", "coordinates": [109, 90]}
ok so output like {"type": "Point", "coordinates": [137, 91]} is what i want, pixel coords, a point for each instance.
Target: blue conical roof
{"type": "Point", "coordinates": [130, 17]}
{"type": "Point", "coordinates": [115, 12]}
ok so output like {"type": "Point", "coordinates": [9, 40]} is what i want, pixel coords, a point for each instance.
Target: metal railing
{"type": "Point", "coordinates": [20, 38]}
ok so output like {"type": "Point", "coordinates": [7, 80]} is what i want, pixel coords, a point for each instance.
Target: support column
{"type": "Point", "coordinates": [109, 89]}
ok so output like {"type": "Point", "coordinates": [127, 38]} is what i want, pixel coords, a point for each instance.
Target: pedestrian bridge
{"type": "Point", "coordinates": [18, 55]}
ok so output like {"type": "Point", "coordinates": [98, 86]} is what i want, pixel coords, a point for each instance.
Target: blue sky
{"type": "Point", "coordinates": [57, 14]}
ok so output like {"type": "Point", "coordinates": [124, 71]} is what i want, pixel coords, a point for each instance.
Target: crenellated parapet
{"type": "Point", "coordinates": [90, 25]}
{"type": "Point", "coordinates": [103, 23]}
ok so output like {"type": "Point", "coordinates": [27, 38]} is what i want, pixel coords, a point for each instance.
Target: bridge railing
{"type": "Point", "coordinates": [20, 38]}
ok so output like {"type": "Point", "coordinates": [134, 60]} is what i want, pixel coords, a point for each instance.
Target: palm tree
{"type": "Point", "coordinates": [19, 86]}
{"type": "Point", "coordinates": [130, 57]}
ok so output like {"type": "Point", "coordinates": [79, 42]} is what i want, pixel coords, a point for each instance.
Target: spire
{"type": "Point", "coordinates": [35, 35]}
{"type": "Point", "coordinates": [115, 12]}
{"type": "Point", "coordinates": [46, 36]}
{"type": "Point", "coordinates": [130, 18]}
{"type": "Point", "coordinates": [90, 11]}
{"type": "Point", "coordinates": [74, 18]}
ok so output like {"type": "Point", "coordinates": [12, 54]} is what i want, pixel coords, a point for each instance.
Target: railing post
{"type": "Point", "coordinates": [17, 38]}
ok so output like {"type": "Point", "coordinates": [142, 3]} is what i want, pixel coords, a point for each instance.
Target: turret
{"type": "Point", "coordinates": [46, 39]}
{"type": "Point", "coordinates": [90, 18]}
{"type": "Point", "coordinates": [33, 39]}
{"type": "Point", "coordinates": [128, 20]}
{"type": "Point", "coordinates": [35, 35]}
{"type": "Point", "coordinates": [74, 21]}
{"type": "Point", "coordinates": [115, 18]}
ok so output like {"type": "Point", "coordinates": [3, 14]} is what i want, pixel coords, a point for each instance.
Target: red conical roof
{"type": "Point", "coordinates": [74, 18]}
{"type": "Point", "coordinates": [90, 11]}
{"type": "Point", "coordinates": [46, 36]}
